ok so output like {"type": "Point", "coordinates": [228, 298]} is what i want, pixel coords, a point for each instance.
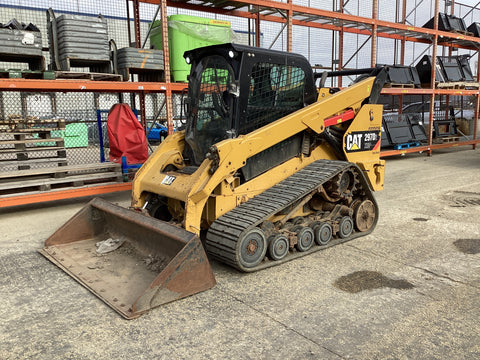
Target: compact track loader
{"type": "Point", "coordinates": [267, 169]}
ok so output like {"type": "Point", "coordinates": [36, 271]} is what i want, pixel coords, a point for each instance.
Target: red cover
{"type": "Point", "coordinates": [126, 136]}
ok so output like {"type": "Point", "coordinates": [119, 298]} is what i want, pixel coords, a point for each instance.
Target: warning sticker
{"type": "Point", "coordinates": [168, 180]}
{"type": "Point", "coordinates": [361, 141]}
{"type": "Point", "coordinates": [28, 39]}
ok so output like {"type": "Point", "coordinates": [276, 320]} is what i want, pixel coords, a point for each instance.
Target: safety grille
{"type": "Point", "coordinates": [275, 91]}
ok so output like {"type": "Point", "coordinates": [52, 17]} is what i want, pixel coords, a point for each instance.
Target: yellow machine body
{"type": "Point", "coordinates": [208, 196]}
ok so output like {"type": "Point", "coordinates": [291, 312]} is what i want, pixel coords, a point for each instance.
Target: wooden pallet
{"type": "Point", "coordinates": [21, 152]}
{"type": "Point", "coordinates": [402, 86]}
{"type": "Point", "coordinates": [446, 139]}
{"type": "Point", "coordinates": [67, 177]}
{"type": "Point", "coordinates": [24, 141]}
{"type": "Point", "coordinates": [87, 76]}
{"type": "Point", "coordinates": [61, 171]}
{"type": "Point", "coordinates": [17, 123]}
{"type": "Point", "coordinates": [25, 151]}
{"type": "Point", "coordinates": [31, 149]}
{"type": "Point", "coordinates": [26, 74]}
{"type": "Point", "coordinates": [28, 137]}
{"type": "Point", "coordinates": [457, 85]}
{"type": "Point", "coordinates": [462, 32]}
{"type": "Point", "coordinates": [34, 130]}
{"type": "Point", "coordinates": [23, 162]}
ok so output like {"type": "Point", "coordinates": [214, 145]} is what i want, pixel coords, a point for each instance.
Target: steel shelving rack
{"type": "Point", "coordinates": [291, 14]}
{"type": "Point", "coordinates": [288, 14]}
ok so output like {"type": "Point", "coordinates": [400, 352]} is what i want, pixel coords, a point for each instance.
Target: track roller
{"type": "Point", "coordinates": [345, 227]}
{"type": "Point", "coordinates": [305, 237]}
{"type": "Point", "coordinates": [323, 233]}
{"type": "Point", "coordinates": [251, 248]}
{"type": "Point", "coordinates": [278, 245]}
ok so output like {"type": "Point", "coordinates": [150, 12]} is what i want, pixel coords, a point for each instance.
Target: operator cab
{"type": "Point", "coordinates": [235, 89]}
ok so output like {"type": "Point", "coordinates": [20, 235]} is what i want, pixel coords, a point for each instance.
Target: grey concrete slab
{"type": "Point", "coordinates": [410, 290]}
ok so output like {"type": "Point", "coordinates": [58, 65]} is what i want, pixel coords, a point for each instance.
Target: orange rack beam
{"type": "Point", "coordinates": [87, 86]}
{"type": "Point", "coordinates": [415, 91]}
{"type": "Point", "coordinates": [418, 149]}
{"type": "Point", "coordinates": [53, 195]}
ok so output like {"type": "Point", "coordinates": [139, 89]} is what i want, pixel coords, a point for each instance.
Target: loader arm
{"type": "Point", "coordinates": [231, 154]}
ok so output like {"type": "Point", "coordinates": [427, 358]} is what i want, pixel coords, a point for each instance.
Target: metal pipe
{"type": "Point", "coordinates": [340, 46]}
{"type": "Point", "coordinates": [289, 27]}
{"type": "Point", "coordinates": [433, 75]}
{"type": "Point", "coordinates": [136, 21]}
{"type": "Point", "coordinates": [278, 35]}
{"type": "Point", "coordinates": [128, 23]}
{"type": "Point", "coordinates": [257, 28]}
{"type": "Point", "coordinates": [151, 25]}
{"type": "Point", "coordinates": [371, 71]}
{"type": "Point", "coordinates": [373, 58]}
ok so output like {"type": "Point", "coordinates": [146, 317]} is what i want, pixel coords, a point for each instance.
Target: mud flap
{"type": "Point", "coordinates": [156, 263]}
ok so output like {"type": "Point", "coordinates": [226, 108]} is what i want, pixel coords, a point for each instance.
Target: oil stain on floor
{"type": "Point", "coordinates": [468, 246]}
{"type": "Point", "coordinates": [420, 219]}
{"type": "Point", "coordinates": [369, 280]}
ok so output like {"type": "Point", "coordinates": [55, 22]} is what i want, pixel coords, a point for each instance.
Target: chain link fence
{"type": "Point", "coordinates": [44, 129]}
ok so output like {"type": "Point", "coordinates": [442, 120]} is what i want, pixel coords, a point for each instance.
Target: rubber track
{"type": "Point", "coordinates": [221, 239]}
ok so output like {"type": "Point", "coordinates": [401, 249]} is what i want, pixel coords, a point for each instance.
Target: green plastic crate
{"type": "Point", "coordinates": [185, 33]}
{"type": "Point", "coordinates": [75, 135]}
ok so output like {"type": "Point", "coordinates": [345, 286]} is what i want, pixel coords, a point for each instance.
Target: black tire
{"type": "Point", "coordinates": [305, 239]}
{"type": "Point", "coordinates": [251, 248]}
{"type": "Point", "coordinates": [278, 246]}
{"type": "Point", "coordinates": [158, 209]}
{"type": "Point", "coordinates": [345, 227]}
{"type": "Point", "coordinates": [323, 233]}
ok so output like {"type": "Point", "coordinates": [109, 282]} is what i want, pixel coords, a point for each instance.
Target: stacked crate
{"type": "Point", "coordinates": [148, 64]}
{"type": "Point", "coordinates": [19, 43]}
{"type": "Point", "coordinates": [78, 41]}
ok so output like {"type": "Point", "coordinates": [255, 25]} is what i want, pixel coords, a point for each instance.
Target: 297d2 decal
{"type": "Point", "coordinates": [362, 141]}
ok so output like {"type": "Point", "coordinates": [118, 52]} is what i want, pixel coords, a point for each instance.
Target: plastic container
{"type": "Point", "coordinates": [187, 32]}
{"type": "Point", "coordinates": [81, 41]}
{"type": "Point", "coordinates": [75, 135]}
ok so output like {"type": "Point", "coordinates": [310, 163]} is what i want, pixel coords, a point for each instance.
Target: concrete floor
{"type": "Point", "coordinates": [410, 290]}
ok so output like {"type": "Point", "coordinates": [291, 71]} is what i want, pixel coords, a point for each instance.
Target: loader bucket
{"type": "Point", "coordinates": [157, 262]}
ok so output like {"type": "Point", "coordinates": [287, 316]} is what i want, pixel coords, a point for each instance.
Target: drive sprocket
{"type": "Point", "coordinates": [343, 185]}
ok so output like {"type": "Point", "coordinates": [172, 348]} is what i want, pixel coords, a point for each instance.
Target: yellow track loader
{"type": "Point", "coordinates": [267, 169]}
